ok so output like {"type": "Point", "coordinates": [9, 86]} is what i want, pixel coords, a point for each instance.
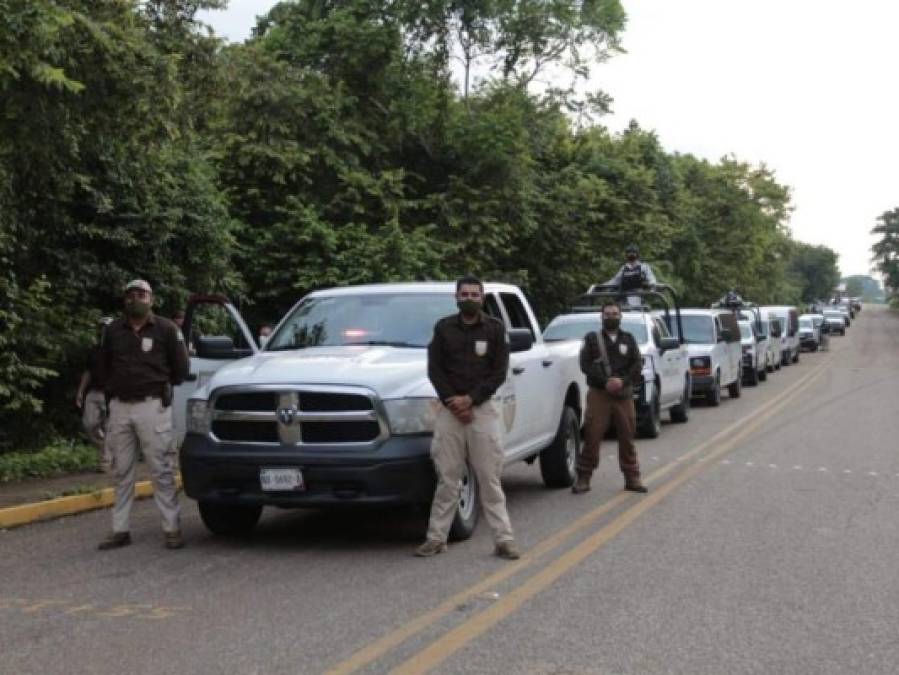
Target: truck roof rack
{"type": "Point", "coordinates": [665, 295]}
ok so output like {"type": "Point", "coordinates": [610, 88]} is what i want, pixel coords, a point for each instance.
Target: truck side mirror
{"type": "Point", "coordinates": [668, 343]}
{"type": "Point", "coordinates": [218, 348]}
{"type": "Point", "coordinates": [724, 335]}
{"type": "Point", "coordinates": [520, 339]}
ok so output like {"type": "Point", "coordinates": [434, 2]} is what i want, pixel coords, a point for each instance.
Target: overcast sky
{"type": "Point", "coordinates": [801, 85]}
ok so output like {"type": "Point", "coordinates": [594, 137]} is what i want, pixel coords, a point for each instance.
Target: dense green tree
{"type": "Point", "coordinates": [885, 252]}
{"type": "Point", "coordinates": [815, 270]}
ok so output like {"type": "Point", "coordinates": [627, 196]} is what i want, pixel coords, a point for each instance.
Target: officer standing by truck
{"type": "Point", "coordinates": [143, 357]}
{"type": "Point", "coordinates": [467, 362]}
{"type": "Point", "coordinates": [612, 363]}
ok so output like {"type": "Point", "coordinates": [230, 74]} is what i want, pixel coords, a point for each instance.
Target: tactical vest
{"type": "Point", "coordinates": [632, 279]}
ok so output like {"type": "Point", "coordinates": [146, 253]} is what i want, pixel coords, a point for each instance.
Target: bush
{"type": "Point", "coordinates": [60, 457]}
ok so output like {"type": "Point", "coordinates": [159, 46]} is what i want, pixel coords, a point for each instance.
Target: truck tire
{"type": "Point", "coordinates": [229, 520]}
{"type": "Point", "coordinates": [763, 373]}
{"type": "Point", "coordinates": [752, 377]}
{"type": "Point", "coordinates": [796, 356]}
{"type": "Point", "coordinates": [785, 359]}
{"type": "Point", "coordinates": [681, 412]}
{"type": "Point", "coordinates": [558, 460]}
{"type": "Point", "coordinates": [650, 426]}
{"type": "Point", "coordinates": [735, 388]}
{"type": "Point", "coordinates": [713, 397]}
{"type": "Point", "coordinates": [466, 519]}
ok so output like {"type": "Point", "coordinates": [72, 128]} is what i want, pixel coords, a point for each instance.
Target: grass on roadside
{"type": "Point", "coordinates": [60, 457]}
{"type": "Point", "coordinates": [73, 491]}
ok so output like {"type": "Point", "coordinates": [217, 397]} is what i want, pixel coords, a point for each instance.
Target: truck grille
{"type": "Point", "coordinates": [300, 416]}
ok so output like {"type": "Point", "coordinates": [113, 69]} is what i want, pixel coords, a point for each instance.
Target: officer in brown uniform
{"type": "Point", "coordinates": [143, 357]}
{"type": "Point", "coordinates": [467, 362]}
{"type": "Point", "coordinates": [611, 368]}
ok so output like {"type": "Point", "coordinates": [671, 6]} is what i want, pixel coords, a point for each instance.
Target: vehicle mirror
{"type": "Point", "coordinates": [219, 348]}
{"type": "Point", "coordinates": [724, 335]}
{"type": "Point", "coordinates": [520, 339]}
{"type": "Point", "coordinates": [668, 343]}
{"type": "Point", "coordinates": [760, 337]}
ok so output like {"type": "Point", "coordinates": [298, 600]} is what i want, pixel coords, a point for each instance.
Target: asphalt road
{"type": "Point", "coordinates": [768, 544]}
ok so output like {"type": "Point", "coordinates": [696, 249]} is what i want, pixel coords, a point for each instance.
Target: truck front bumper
{"type": "Point", "coordinates": [702, 384]}
{"type": "Point", "coordinates": [399, 471]}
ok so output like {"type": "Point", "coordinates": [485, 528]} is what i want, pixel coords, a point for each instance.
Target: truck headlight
{"type": "Point", "coordinates": [197, 416]}
{"type": "Point", "coordinates": [411, 415]}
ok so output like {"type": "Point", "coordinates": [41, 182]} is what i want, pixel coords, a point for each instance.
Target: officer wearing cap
{"type": "Point", "coordinates": [142, 358]}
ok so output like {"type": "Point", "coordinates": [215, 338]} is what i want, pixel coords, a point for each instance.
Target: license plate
{"type": "Point", "coordinates": [273, 480]}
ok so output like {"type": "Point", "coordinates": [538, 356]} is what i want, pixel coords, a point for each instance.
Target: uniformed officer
{"type": "Point", "coordinates": [143, 357]}
{"type": "Point", "coordinates": [612, 363]}
{"type": "Point", "coordinates": [91, 399]}
{"type": "Point", "coordinates": [633, 275]}
{"type": "Point", "coordinates": [467, 362]}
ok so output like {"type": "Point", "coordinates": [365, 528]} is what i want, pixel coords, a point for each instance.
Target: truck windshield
{"type": "Point", "coordinates": [745, 331]}
{"type": "Point", "coordinates": [698, 329]}
{"type": "Point", "coordinates": [577, 329]}
{"type": "Point", "coordinates": [391, 319]}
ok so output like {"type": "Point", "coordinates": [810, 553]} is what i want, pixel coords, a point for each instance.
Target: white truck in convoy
{"type": "Point", "coordinates": [337, 409]}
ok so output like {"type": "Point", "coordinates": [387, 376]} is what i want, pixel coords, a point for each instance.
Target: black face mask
{"type": "Point", "coordinates": [632, 257]}
{"type": "Point", "coordinates": [469, 307]}
{"type": "Point", "coordinates": [611, 324]}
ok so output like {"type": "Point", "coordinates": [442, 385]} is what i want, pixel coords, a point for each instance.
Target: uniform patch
{"type": "Point", "coordinates": [146, 344]}
{"type": "Point", "coordinates": [480, 347]}
{"type": "Point", "coordinates": [623, 349]}
{"type": "Point", "coordinates": [180, 336]}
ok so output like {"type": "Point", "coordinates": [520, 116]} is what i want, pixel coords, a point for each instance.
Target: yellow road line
{"type": "Point", "coordinates": [24, 514]}
{"type": "Point", "coordinates": [384, 644]}
{"type": "Point", "coordinates": [443, 647]}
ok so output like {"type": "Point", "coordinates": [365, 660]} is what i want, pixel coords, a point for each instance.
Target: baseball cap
{"type": "Point", "coordinates": [140, 284]}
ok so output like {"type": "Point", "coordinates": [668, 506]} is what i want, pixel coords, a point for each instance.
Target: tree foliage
{"type": "Point", "coordinates": [334, 147]}
{"type": "Point", "coordinates": [885, 252]}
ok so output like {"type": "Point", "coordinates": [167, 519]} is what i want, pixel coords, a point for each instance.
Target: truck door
{"type": "Point", "coordinates": [215, 334]}
{"type": "Point", "coordinates": [672, 364]}
{"type": "Point", "coordinates": [532, 371]}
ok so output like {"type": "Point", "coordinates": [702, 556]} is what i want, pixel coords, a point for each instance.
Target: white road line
{"type": "Point", "coordinates": [872, 473]}
{"type": "Point", "coordinates": [772, 466]}
{"type": "Point", "coordinates": [822, 468]}
{"type": "Point", "coordinates": [797, 468]}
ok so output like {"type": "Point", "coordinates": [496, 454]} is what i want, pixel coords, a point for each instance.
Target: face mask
{"type": "Point", "coordinates": [137, 309]}
{"type": "Point", "coordinates": [469, 307]}
{"type": "Point", "coordinates": [611, 324]}
{"type": "Point", "coordinates": [632, 257]}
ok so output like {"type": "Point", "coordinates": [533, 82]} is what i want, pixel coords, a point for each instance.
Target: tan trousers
{"type": "Point", "coordinates": [602, 408]}
{"type": "Point", "coordinates": [149, 424]}
{"type": "Point", "coordinates": [93, 417]}
{"type": "Point", "coordinates": [481, 443]}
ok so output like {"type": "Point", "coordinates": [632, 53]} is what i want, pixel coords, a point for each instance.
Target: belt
{"type": "Point", "coordinates": [138, 399]}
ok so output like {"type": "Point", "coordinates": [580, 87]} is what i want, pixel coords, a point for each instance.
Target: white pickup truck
{"type": "Point", "coordinates": [337, 409]}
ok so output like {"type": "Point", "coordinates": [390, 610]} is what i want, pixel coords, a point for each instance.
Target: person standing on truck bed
{"type": "Point", "coordinates": [467, 362]}
{"type": "Point", "coordinates": [612, 368]}
{"type": "Point", "coordinates": [143, 356]}
{"type": "Point", "coordinates": [633, 275]}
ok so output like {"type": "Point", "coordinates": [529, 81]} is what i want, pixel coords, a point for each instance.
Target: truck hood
{"type": "Point", "coordinates": [389, 371]}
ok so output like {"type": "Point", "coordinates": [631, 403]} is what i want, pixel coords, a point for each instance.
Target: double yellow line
{"type": "Point", "coordinates": [449, 643]}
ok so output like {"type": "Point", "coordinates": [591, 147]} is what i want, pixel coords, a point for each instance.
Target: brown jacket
{"type": "Point", "coordinates": [624, 356]}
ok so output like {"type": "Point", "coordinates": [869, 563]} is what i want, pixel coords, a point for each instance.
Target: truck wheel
{"type": "Point", "coordinates": [785, 359]}
{"type": "Point", "coordinates": [763, 373]}
{"type": "Point", "coordinates": [735, 388]}
{"type": "Point", "coordinates": [229, 519]}
{"type": "Point", "coordinates": [796, 356]}
{"type": "Point", "coordinates": [466, 518]}
{"type": "Point", "coordinates": [713, 397]}
{"type": "Point", "coordinates": [650, 426]}
{"type": "Point", "coordinates": [752, 377]}
{"type": "Point", "coordinates": [681, 412]}
{"type": "Point", "coordinates": [558, 460]}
